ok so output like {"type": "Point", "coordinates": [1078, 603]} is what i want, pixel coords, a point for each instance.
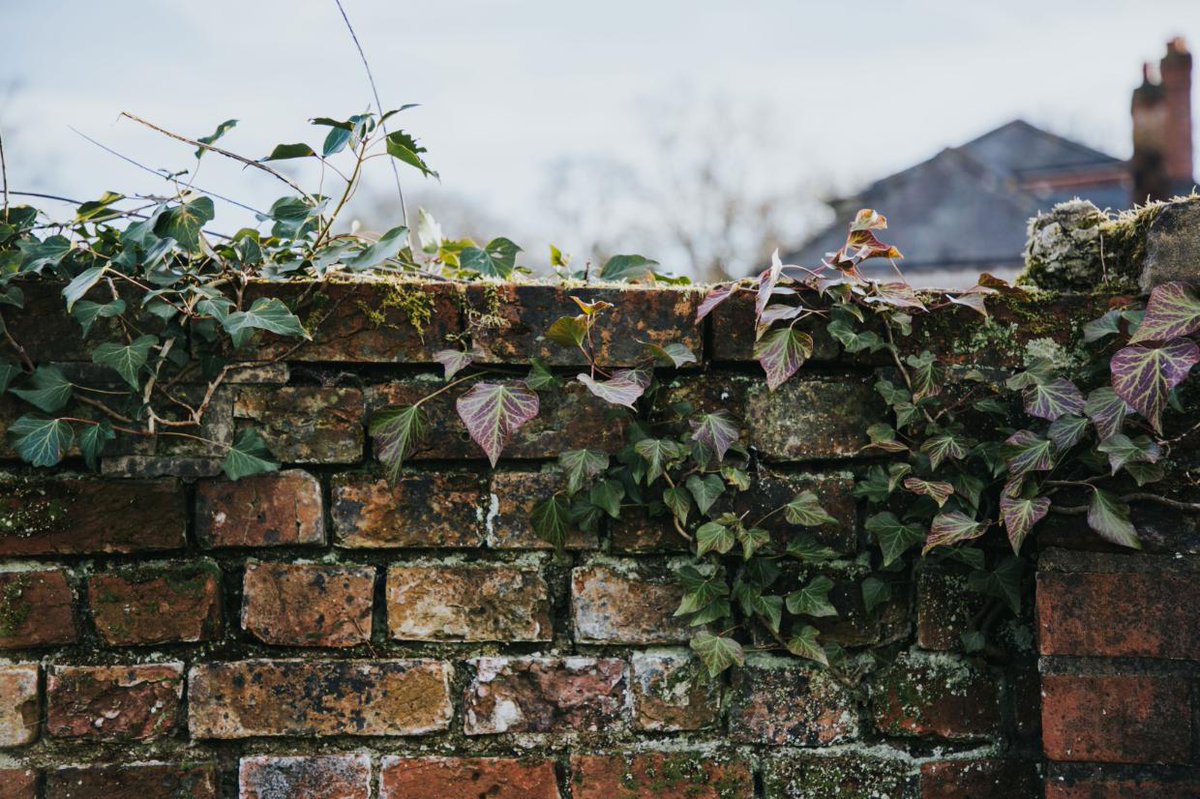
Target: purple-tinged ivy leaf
{"type": "Point", "coordinates": [896, 295]}
{"type": "Point", "coordinates": [1109, 517]}
{"type": "Point", "coordinates": [951, 528]}
{"type": "Point", "coordinates": [1144, 377]}
{"type": "Point", "coordinates": [778, 313]}
{"type": "Point", "coordinates": [623, 388]}
{"type": "Point", "coordinates": [1025, 451]}
{"type": "Point", "coordinates": [397, 431]}
{"type": "Point", "coordinates": [939, 492]}
{"type": "Point", "coordinates": [717, 431]}
{"type": "Point", "coordinates": [454, 361]}
{"type": "Point", "coordinates": [715, 296]}
{"type": "Point", "coordinates": [493, 412]}
{"type": "Point", "coordinates": [1122, 450]}
{"type": "Point", "coordinates": [766, 284]}
{"type": "Point", "coordinates": [943, 447]}
{"type": "Point", "coordinates": [975, 299]}
{"type": "Point", "coordinates": [781, 353]}
{"type": "Point", "coordinates": [1067, 431]}
{"type": "Point", "coordinates": [1106, 410]}
{"type": "Point", "coordinates": [1020, 515]}
{"type": "Point", "coordinates": [1172, 312]}
{"type": "Point", "coordinates": [673, 354]}
{"type": "Point", "coordinates": [1053, 399]}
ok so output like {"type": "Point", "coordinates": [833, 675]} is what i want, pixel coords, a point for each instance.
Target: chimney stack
{"type": "Point", "coordinates": [1162, 127]}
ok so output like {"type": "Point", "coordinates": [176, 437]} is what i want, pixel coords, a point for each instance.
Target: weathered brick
{"type": "Point", "coordinates": [616, 605]}
{"type": "Point", "coordinates": [157, 604]}
{"type": "Point", "coordinates": [937, 696]}
{"type": "Point", "coordinates": [331, 776]}
{"type": "Point", "coordinates": [36, 609]}
{"type": "Point", "coordinates": [1114, 787]}
{"type": "Point", "coordinates": [308, 604]}
{"type": "Point", "coordinates": [468, 603]}
{"type": "Point", "coordinates": [1172, 245]}
{"type": "Point", "coordinates": [18, 783]}
{"type": "Point", "coordinates": [283, 509]}
{"type": "Point", "coordinates": [109, 703]}
{"type": "Point", "coordinates": [536, 694]}
{"type": "Point", "coordinates": [811, 418]}
{"type": "Point", "coordinates": [251, 698]}
{"type": "Point", "coordinates": [660, 775]}
{"type": "Point", "coordinates": [781, 701]}
{"type": "Point", "coordinates": [637, 532]}
{"type": "Point", "coordinates": [20, 708]}
{"type": "Point", "coordinates": [77, 516]}
{"type": "Point", "coordinates": [770, 491]}
{"type": "Point", "coordinates": [672, 692]}
{"type": "Point", "coordinates": [945, 607]}
{"type": "Point", "coordinates": [386, 321]}
{"type": "Point", "coordinates": [569, 418]}
{"type": "Point", "coordinates": [306, 424]}
{"type": "Point", "coordinates": [979, 779]}
{"type": "Point", "coordinates": [657, 316]}
{"type": "Point", "coordinates": [1119, 614]}
{"type": "Point", "coordinates": [1116, 719]}
{"type": "Point", "coordinates": [467, 778]}
{"type": "Point", "coordinates": [432, 509]}
{"type": "Point", "coordinates": [512, 499]}
{"type": "Point", "coordinates": [133, 781]}
{"type": "Point", "coordinates": [850, 776]}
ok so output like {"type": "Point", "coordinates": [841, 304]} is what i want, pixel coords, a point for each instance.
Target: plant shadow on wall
{"type": "Point", "coordinates": [172, 309]}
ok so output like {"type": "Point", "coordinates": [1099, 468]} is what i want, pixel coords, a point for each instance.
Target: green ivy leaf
{"type": "Point", "coordinates": [705, 490]}
{"type": "Point", "coordinates": [943, 447]}
{"type": "Point", "coordinates": [50, 390]}
{"type": "Point", "coordinates": [396, 432]}
{"type": "Point", "coordinates": [812, 599]}
{"type": "Point", "coordinates": [713, 537]}
{"type": "Point", "coordinates": [404, 147]}
{"type": "Point", "coordinates": [387, 248]}
{"type": "Point", "coordinates": [569, 331]}
{"type": "Point", "coordinates": [92, 442]}
{"type": "Point", "coordinates": [582, 465]}
{"type": "Point", "coordinates": [805, 509]}
{"type": "Point", "coordinates": [551, 520]}
{"type": "Point", "coordinates": [875, 592]}
{"type": "Point", "coordinates": [717, 431]}
{"type": "Point", "coordinates": [806, 548]}
{"type": "Point", "coordinates": [283, 152]}
{"type": "Point", "coordinates": [41, 442]}
{"type": "Point", "coordinates": [894, 537]}
{"type": "Point", "coordinates": [221, 130]}
{"type": "Point", "coordinates": [627, 268]}
{"type": "Point", "coordinates": [1027, 452]}
{"type": "Point", "coordinates": [1107, 325]}
{"type": "Point", "coordinates": [269, 314]}
{"type": "Point", "coordinates": [8, 371]}
{"type": "Point", "coordinates": [248, 456]}
{"type": "Point", "coordinates": [184, 222]}
{"type": "Point", "coordinates": [752, 541]}
{"type": "Point", "coordinates": [1003, 582]}
{"type": "Point", "coordinates": [87, 312]}
{"type": "Point", "coordinates": [717, 653]}
{"type": "Point", "coordinates": [1109, 517]}
{"type": "Point", "coordinates": [804, 645]}
{"type": "Point", "coordinates": [1122, 450]}
{"type": "Point", "coordinates": [927, 378]}
{"type": "Point", "coordinates": [82, 284]}
{"type": "Point", "coordinates": [658, 453]}
{"type": "Point", "coordinates": [540, 377]}
{"type": "Point", "coordinates": [1067, 431]}
{"type": "Point", "coordinates": [607, 495]}
{"type": "Point", "coordinates": [127, 360]}
{"type": "Point", "coordinates": [673, 354]}
{"type": "Point", "coordinates": [679, 502]}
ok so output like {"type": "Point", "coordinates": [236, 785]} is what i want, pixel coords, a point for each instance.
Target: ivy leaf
{"type": "Point", "coordinates": [926, 377]}
{"type": "Point", "coordinates": [1067, 431]}
{"type": "Point", "coordinates": [454, 361]}
{"type": "Point", "coordinates": [883, 437]}
{"type": "Point", "coordinates": [221, 130]}
{"type": "Point", "coordinates": [805, 548]}
{"type": "Point", "coordinates": [715, 296]}
{"type": "Point", "coordinates": [269, 314]}
{"type": "Point", "coordinates": [404, 147]}
{"type": "Point", "coordinates": [879, 485]}
{"type": "Point", "coordinates": [1109, 517]}
{"type": "Point", "coordinates": [41, 442]}
{"type": "Point", "coordinates": [8, 371]}
{"type": "Point", "coordinates": [1144, 377]}
{"type": "Point", "coordinates": [952, 528]}
{"type": "Point", "coordinates": [627, 268]}
{"type": "Point", "coordinates": [93, 440]}
{"type": "Point", "coordinates": [540, 377]}
{"type": "Point", "coordinates": [581, 465]}
{"type": "Point", "coordinates": [1051, 400]}
{"type": "Point", "coordinates": [658, 453]}
{"type": "Point", "coordinates": [713, 537]}
{"type": "Point", "coordinates": [396, 432]}
{"type": "Point", "coordinates": [497, 259]}
{"type": "Point", "coordinates": [805, 509]}
{"type": "Point", "coordinates": [624, 388]}
{"type": "Point", "coordinates": [248, 456]}
{"type": "Point", "coordinates": [1145, 473]}
{"type": "Point", "coordinates": [283, 152]}
{"type": "Point", "coordinates": [716, 431]}
{"type": "Point", "coordinates": [752, 541]}
{"type": "Point", "coordinates": [50, 390]}
{"type": "Point", "coordinates": [1122, 450]}
{"type": "Point", "coordinates": [569, 331]}
{"type": "Point", "coordinates": [781, 354]}
{"type": "Point", "coordinates": [388, 247]}
{"type": "Point", "coordinates": [607, 495]}
{"type": "Point", "coordinates": [1020, 515]}
{"type": "Point", "coordinates": [942, 447]}
{"type": "Point", "coordinates": [812, 599]}
{"type": "Point", "coordinates": [1173, 311]}
{"type": "Point", "coordinates": [1003, 582]}
{"type": "Point", "coordinates": [184, 222]}
{"type": "Point", "coordinates": [875, 592]}
{"type": "Point", "coordinates": [87, 312]}
{"type": "Point", "coordinates": [493, 412]}
{"type": "Point", "coordinates": [766, 284]}
{"type": "Point", "coordinates": [894, 537]}
{"type": "Point", "coordinates": [717, 653]}
{"type": "Point", "coordinates": [82, 284]}
{"type": "Point", "coordinates": [1106, 411]}
{"type": "Point", "coordinates": [128, 360]}
{"type": "Point", "coordinates": [804, 645]}
{"type": "Point", "coordinates": [679, 502]}
{"type": "Point", "coordinates": [672, 354]}
{"type": "Point", "coordinates": [1025, 452]}
{"type": "Point", "coordinates": [852, 340]}
{"type": "Point", "coordinates": [705, 490]}
{"type": "Point", "coordinates": [939, 492]}
{"type": "Point", "coordinates": [37, 255]}
{"type": "Point", "coordinates": [1107, 325]}
{"type": "Point", "coordinates": [551, 520]}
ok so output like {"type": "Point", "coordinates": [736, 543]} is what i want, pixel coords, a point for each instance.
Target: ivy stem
{"type": "Point", "coordinates": [1136, 496]}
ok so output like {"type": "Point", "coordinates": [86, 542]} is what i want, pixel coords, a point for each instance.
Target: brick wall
{"type": "Point", "coordinates": [318, 632]}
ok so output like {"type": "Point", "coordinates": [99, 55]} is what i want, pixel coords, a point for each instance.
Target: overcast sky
{"type": "Point", "coordinates": [507, 87]}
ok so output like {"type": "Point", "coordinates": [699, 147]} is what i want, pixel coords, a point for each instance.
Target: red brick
{"type": "Point", "coordinates": [1151, 614]}
{"type": "Point", "coordinates": [308, 604]}
{"type": "Point", "coordinates": [945, 607]}
{"type": "Point", "coordinates": [114, 702]}
{"type": "Point", "coordinates": [979, 779]}
{"type": "Point", "coordinates": [18, 783]}
{"type": "Point", "coordinates": [468, 603]}
{"type": "Point", "coordinates": [935, 696]}
{"type": "Point", "coordinates": [1118, 788]}
{"type": "Point", "coordinates": [325, 776]}
{"type": "Point", "coordinates": [306, 424]}
{"type": "Point", "coordinates": [252, 698]}
{"type": "Point", "coordinates": [268, 510]}
{"type": "Point", "coordinates": [467, 778]}
{"type": "Point", "coordinates": [534, 694]}
{"type": "Point", "coordinates": [437, 509]}
{"type": "Point", "coordinates": [134, 781]}
{"type": "Point", "coordinates": [658, 775]}
{"type": "Point", "coordinates": [20, 710]}
{"type": "Point", "coordinates": [36, 609]}
{"type": "Point", "coordinates": [1116, 719]}
{"type": "Point", "coordinates": [782, 701]}
{"type": "Point", "coordinates": [169, 603]}
{"type": "Point", "coordinates": [614, 605]}
{"type": "Point", "coordinates": [638, 532]}
{"type": "Point", "coordinates": [672, 692]}
{"type": "Point", "coordinates": [68, 516]}
{"type": "Point", "coordinates": [512, 500]}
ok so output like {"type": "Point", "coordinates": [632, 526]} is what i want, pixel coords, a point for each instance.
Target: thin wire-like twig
{"type": "Point", "coordinates": [378, 105]}
{"type": "Point", "coordinates": [3, 171]}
